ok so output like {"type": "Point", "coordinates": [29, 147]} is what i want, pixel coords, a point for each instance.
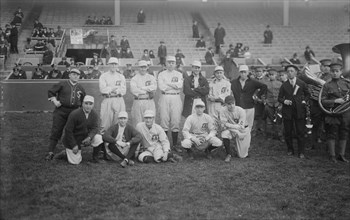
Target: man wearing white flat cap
{"type": "Point", "coordinates": [81, 131]}
{"type": "Point", "coordinates": [143, 86]}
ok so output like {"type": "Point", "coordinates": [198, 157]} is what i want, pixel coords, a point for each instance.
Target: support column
{"type": "Point", "coordinates": [285, 12]}
{"type": "Point", "coordinates": [116, 12]}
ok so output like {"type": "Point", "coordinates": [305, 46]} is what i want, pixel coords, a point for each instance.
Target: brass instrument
{"type": "Point", "coordinates": [308, 124]}
{"type": "Point", "coordinates": [344, 51]}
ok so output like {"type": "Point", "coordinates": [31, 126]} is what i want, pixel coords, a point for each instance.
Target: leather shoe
{"type": "Point", "coordinates": [228, 158]}
{"type": "Point", "coordinates": [342, 158]}
{"type": "Point", "coordinates": [124, 163]}
{"type": "Point", "coordinates": [333, 159]}
{"type": "Point", "coordinates": [131, 163]}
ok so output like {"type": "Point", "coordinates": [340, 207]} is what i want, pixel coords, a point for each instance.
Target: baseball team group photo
{"type": "Point", "coordinates": [172, 109]}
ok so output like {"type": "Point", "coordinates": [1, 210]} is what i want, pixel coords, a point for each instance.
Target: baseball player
{"type": "Point", "coordinates": [142, 86]}
{"type": "Point", "coordinates": [81, 131]}
{"type": "Point", "coordinates": [113, 88]}
{"type": "Point", "coordinates": [66, 96]}
{"type": "Point", "coordinates": [170, 83]}
{"type": "Point", "coordinates": [233, 119]}
{"type": "Point", "coordinates": [219, 89]}
{"type": "Point", "coordinates": [154, 140]}
{"type": "Point", "coordinates": [199, 131]}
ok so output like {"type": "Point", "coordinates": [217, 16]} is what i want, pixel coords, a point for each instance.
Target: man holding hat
{"type": "Point", "coordinates": [112, 87]}
{"type": "Point", "coordinates": [293, 95]}
{"type": "Point", "coordinates": [219, 89]}
{"type": "Point", "coordinates": [143, 86]}
{"type": "Point", "coordinates": [336, 92]}
{"type": "Point", "coordinates": [123, 140]}
{"type": "Point", "coordinates": [233, 121]}
{"type": "Point", "coordinates": [162, 53]}
{"type": "Point", "coordinates": [195, 88]}
{"type": "Point", "coordinates": [80, 131]}
{"type": "Point", "coordinates": [96, 60]}
{"type": "Point", "coordinates": [199, 131]}
{"type": "Point", "coordinates": [66, 95]}
{"type": "Point", "coordinates": [155, 143]}
{"type": "Point", "coordinates": [170, 83]}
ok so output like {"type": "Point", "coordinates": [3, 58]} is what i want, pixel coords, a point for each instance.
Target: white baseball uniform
{"type": "Point", "coordinates": [170, 105]}
{"type": "Point", "coordinates": [113, 88]}
{"type": "Point", "coordinates": [218, 89]}
{"type": "Point", "coordinates": [241, 133]}
{"type": "Point", "coordinates": [140, 87]}
{"type": "Point", "coordinates": [154, 141]}
{"type": "Point", "coordinates": [201, 127]}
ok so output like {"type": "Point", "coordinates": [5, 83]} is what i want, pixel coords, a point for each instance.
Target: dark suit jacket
{"type": "Point", "coordinates": [131, 135]}
{"type": "Point", "coordinates": [288, 92]}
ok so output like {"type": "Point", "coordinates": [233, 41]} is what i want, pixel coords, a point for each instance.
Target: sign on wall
{"type": "Point", "coordinates": [76, 36]}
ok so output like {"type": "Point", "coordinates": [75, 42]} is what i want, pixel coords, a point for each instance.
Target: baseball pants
{"type": "Point", "coordinates": [214, 141]}
{"type": "Point", "coordinates": [110, 108]}
{"type": "Point", "coordinates": [170, 108]}
{"type": "Point", "coordinates": [155, 151]}
{"type": "Point", "coordinates": [214, 109]}
{"type": "Point", "coordinates": [242, 140]}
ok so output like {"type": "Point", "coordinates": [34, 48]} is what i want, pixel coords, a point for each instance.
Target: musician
{"type": "Point", "coordinates": [293, 95]}
{"type": "Point", "coordinates": [337, 126]}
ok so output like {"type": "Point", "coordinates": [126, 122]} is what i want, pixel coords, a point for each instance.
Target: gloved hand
{"type": "Point", "coordinates": [196, 140]}
{"type": "Point", "coordinates": [86, 141]}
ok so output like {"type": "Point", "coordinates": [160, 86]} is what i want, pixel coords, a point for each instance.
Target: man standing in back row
{"type": "Point", "coordinates": [219, 36]}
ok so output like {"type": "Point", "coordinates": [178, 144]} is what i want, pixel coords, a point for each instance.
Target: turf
{"type": "Point", "coordinates": [267, 185]}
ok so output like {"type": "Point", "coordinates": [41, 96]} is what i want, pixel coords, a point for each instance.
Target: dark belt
{"type": "Point", "coordinates": [197, 97]}
{"type": "Point", "coordinates": [136, 98]}
{"type": "Point", "coordinates": [174, 93]}
{"type": "Point", "coordinates": [111, 96]}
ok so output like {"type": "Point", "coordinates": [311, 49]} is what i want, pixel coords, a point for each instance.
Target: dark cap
{"type": "Point", "coordinates": [326, 62]}
{"type": "Point", "coordinates": [162, 42]}
{"type": "Point", "coordinates": [335, 64]}
{"type": "Point", "coordinates": [272, 70]}
{"type": "Point", "coordinates": [230, 99]}
{"type": "Point", "coordinates": [284, 61]}
{"type": "Point", "coordinates": [95, 54]}
{"type": "Point", "coordinates": [291, 65]}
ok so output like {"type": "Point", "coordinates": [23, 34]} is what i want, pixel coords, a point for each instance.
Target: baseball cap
{"type": "Point", "coordinates": [123, 114]}
{"type": "Point", "coordinates": [89, 98]}
{"type": "Point", "coordinates": [200, 103]}
{"type": "Point", "coordinates": [230, 99]}
{"type": "Point", "coordinates": [142, 63]}
{"type": "Point", "coordinates": [148, 114]}
{"type": "Point", "coordinates": [243, 68]}
{"type": "Point", "coordinates": [170, 58]}
{"type": "Point", "coordinates": [113, 60]}
{"type": "Point", "coordinates": [218, 68]}
{"type": "Point", "coordinates": [326, 62]}
{"type": "Point", "coordinates": [291, 65]}
{"type": "Point", "coordinates": [196, 63]}
{"type": "Point", "coordinates": [75, 71]}
{"type": "Point", "coordinates": [336, 64]}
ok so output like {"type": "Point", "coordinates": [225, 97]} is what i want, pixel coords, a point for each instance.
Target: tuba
{"type": "Point", "coordinates": [344, 51]}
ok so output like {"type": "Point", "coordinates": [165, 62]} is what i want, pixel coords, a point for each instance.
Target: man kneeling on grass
{"type": "Point", "coordinates": [233, 121]}
{"type": "Point", "coordinates": [155, 143]}
{"type": "Point", "coordinates": [81, 131]}
{"type": "Point", "coordinates": [199, 131]}
{"type": "Point", "coordinates": [122, 140]}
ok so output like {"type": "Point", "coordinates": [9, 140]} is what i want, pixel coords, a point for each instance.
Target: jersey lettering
{"type": "Point", "coordinates": [155, 137]}
{"type": "Point", "coordinates": [118, 83]}
{"type": "Point", "coordinates": [223, 90]}
{"type": "Point", "coordinates": [175, 79]}
{"type": "Point", "coordinates": [204, 125]}
{"type": "Point", "coordinates": [147, 83]}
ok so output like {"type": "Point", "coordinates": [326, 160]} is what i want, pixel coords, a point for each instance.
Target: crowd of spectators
{"type": "Point", "coordinates": [95, 21]}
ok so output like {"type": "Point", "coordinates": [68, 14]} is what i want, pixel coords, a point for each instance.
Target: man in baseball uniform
{"type": "Point", "coordinates": [123, 140]}
{"type": "Point", "coordinates": [143, 86]}
{"type": "Point", "coordinates": [113, 88]}
{"type": "Point", "coordinates": [81, 131]}
{"type": "Point", "coordinates": [233, 120]}
{"type": "Point", "coordinates": [66, 96]}
{"type": "Point", "coordinates": [199, 131]}
{"type": "Point", "coordinates": [219, 89]}
{"type": "Point", "coordinates": [170, 83]}
{"type": "Point", "coordinates": [155, 143]}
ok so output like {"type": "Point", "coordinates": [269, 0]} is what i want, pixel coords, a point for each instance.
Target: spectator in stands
{"type": "Point", "coordinates": [59, 32]}
{"type": "Point", "coordinates": [228, 66]}
{"type": "Point", "coordinates": [93, 72]}
{"type": "Point", "coordinates": [246, 53]}
{"type": "Point", "coordinates": [36, 33]}
{"type": "Point", "coordinates": [65, 74]}
{"type": "Point", "coordinates": [89, 21]}
{"type": "Point", "coordinates": [124, 44]}
{"type": "Point", "coordinates": [219, 36]}
{"type": "Point", "coordinates": [3, 50]}
{"type": "Point", "coordinates": [294, 59]}
{"type": "Point", "coordinates": [17, 74]}
{"type": "Point", "coordinates": [308, 54]}
{"type": "Point", "coordinates": [179, 56]}
{"type": "Point", "coordinates": [151, 54]}
{"type": "Point", "coordinates": [141, 17]}
{"type": "Point", "coordinates": [105, 52]}
{"type": "Point", "coordinates": [268, 36]}
{"type": "Point", "coordinates": [162, 53]}
{"type": "Point", "coordinates": [103, 20]}
{"type": "Point", "coordinates": [8, 32]}
{"type": "Point", "coordinates": [2, 34]}
{"type": "Point", "coordinates": [113, 46]}
{"type": "Point", "coordinates": [200, 43]}
{"type": "Point", "coordinates": [18, 16]}
{"type": "Point", "coordinates": [14, 39]}
{"type": "Point", "coordinates": [79, 66]}
{"type": "Point", "coordinates": [48, 56]}
{"type": "Point", "coordinates": [39, 73]}
{"type": "Point", "coordinates": [96, 60]}
{"type": "Point", "coordinates": [221, 54]}
{"type": "Point", "coordinates": [145, 55]}
{"type": "Point", "coordinates": [209, 56]}
{"type": "Point", "coordinates": [109, 21]}
{"type": "Point", "coordinates": [129, 72]}
{"type": "Point", "coordinates": [45, 33]}
{"type": "Point", "coordinates": [54, 73]}
{"type": "Point", "coordinates": [282, 75]}
{"type": "Point", "coordinates": [96, 21]}
{"type": "Point", "coordinates": [195, 31]}
{"type": "Point", "coordinates": [40, 46]}
{"type": "Point", "coordinates": [128, 53]}
{"type": "Point", "coordinates": [51, 35]}
{"type": "Point", "coordinates": [63, 61]}
{"type": "Point", "coordinates": [38, 25]}
{"type": "Point", "coordinates": [237, 52]}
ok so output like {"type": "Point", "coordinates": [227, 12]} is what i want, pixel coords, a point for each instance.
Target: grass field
{"type": "Point", "coordinates": [267, 185]}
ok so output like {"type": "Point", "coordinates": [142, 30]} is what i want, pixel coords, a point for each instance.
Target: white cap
{"type": "Point", "coordinates": [123, 114]}
{"type": "Point", "coordinates": [197, 63]}
{"type": "Point", "coordinates": [142, 63]}
{"type": "Point", "coordinates": [89, 98]}
{"type": "Point", "coordinates": [75, 71]}
{"type": "Point", "coordinates": [148, 114]}
{"type": "Point", "coordinates": [243, 68]}
{"type": "Point", "coordinates": [200, 103]}
{"type": "Point", "coordinates": [170, 58]}
{"type": "Point", "coordinates": [218, 68]}
{"type": "Point", "coordinates": [113, 60]}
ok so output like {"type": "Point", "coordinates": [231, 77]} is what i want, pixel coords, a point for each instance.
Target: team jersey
{"type": "Point", "coordinates": [170, 77]}
{"type": "Point", "coordinates": [199, 125]}
{"type": "Point", "coordinates": [140, 84]}
{"type": "Point", "coordinates": [238, 116]}
{"type": "Point", "coordinates": [109, 81]}
{"type": "Point", "coordinates": [69, 95]}
{"type": "Point", "coordinates": [152, 136]}
{"type": "Point", "coordinates": [219, 89]}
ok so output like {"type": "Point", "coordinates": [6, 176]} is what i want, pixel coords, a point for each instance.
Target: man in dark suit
{"type": "Point", "coordinates": [162, 53]}
{"type": "Point", "coordinates": [293, 95]}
